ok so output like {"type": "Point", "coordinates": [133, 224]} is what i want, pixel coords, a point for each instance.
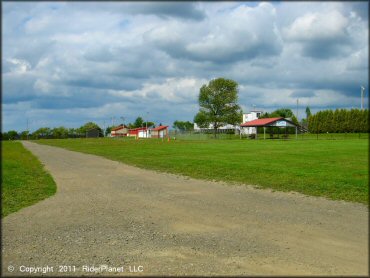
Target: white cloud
{"type": "Point", "coordinates": [317, 26]}
{"type": "Point", "coordinates": [18, 65]}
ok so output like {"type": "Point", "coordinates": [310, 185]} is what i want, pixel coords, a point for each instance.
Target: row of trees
{"type": "Point", "coordinates": [56, 132]}
{"type": "Point", "coordinates": [63, 132]}
{"type": "Point", "coordinates": [339, 121]}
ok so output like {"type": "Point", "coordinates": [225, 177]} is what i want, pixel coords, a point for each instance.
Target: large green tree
{"type": "Point", "coordinates": [180, 125]}
{"type": "Point", "coordinates": [88, 126]}
{"type": "Point", "coordinates": [11, 135]}
{"type": "Point", "coordinates": [218, 104]}
{"type": "Point", "coordinates": [138, 122]}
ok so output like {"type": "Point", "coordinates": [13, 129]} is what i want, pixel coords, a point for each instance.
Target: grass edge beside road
{"type": "Point", "coordinates": [337, 170]}
{"type": "Point", "coordinates": [24, 180]}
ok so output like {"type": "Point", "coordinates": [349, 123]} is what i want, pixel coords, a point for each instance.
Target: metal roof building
{"type": "Point", "coordinates": [270, 122]}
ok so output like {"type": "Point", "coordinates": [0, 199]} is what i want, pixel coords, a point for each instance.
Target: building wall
{"type": "Point", "coordinates": [253, 115]}
{"type": "Point", "coordinates": [144, 134]}
{"type": "Point", "coordinates": [210, 127]}
{"type": "Point", "coordinates": [120, 132]}
{"type": "Point", "coordinates": [159, 133]}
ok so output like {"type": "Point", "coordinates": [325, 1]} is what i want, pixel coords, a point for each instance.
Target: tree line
{"type": "Point", "coordinates": [339, 121]}
{"type": "Point", "coordinates": [60, 132]}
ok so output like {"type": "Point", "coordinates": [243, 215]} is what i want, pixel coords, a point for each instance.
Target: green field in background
{"type": "Point", "coordinates": [24, 181]}
{"type": "Point", "coordinates": [337, 169]}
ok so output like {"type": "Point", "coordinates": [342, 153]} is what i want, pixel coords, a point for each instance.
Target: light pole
{"type": "Point", "coordinates": [362, 97]}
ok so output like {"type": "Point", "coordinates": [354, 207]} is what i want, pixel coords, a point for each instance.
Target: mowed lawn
{"type": "Point", "coordinates": [337, 169]}
{"type": "Point", "coordinates": [24, 181]}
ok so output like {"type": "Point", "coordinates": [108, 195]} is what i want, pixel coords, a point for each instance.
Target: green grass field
{"type": "Point", "coordinates": [24, 181]}
{"type": "Point", "coordinates": [337, 169]}
{"type": "Point", "coordinates": [301, 136]}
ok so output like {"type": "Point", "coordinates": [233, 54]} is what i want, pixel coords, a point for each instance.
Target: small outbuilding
{"type": "Point", "coordinates": [140, 132]}
{"type": "Point", "coordinates": [159, 131]}
{"type": "Point", "coordinates": [119, 131]}
{"type": "Point", "coordinates": [269, 122]}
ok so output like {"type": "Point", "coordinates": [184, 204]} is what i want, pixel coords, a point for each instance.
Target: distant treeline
{"type": "Point", "coordinates": [339, 121]}
{"type": "Point", "coordinates": [53, 133]}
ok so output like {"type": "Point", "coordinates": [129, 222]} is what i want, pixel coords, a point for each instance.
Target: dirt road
{"type": "Point", "coordinates": [108, 213]}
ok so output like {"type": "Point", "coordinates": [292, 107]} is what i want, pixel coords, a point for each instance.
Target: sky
{"type": "Point", "coordinates": [65, 64]}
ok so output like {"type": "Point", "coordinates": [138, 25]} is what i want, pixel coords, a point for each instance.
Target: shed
{"type": "Point", "coordinates": [270, 122]}
{"type": "Point", "coordinates": [159, 131]}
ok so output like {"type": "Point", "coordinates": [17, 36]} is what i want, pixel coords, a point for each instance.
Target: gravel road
{"type": "Point", "coordinates": [121, 219]}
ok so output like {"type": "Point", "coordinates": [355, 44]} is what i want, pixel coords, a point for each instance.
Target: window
{"type": "Point", "coordinates": [258, 115]}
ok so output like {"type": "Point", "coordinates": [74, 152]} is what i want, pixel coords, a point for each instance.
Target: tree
{"type": "Point", "coordinates": [138, 122]}
{"type": "Point", "coordinates": [24, 135]}
{"type": "Point", "coordinates": [11, 135]}
{"type": "Point", "coordinates": [281, 112]}
{"type": "Point", "coordinates": [183, 125]}
{"type": "Point", "coordinates": [148, 124]}
{"type": "Point", "coordinates": [218, 104]}
{"type": "Point", "coordinates": [308, 112]}
{"type": "Point", "coordinates": [81, 131]}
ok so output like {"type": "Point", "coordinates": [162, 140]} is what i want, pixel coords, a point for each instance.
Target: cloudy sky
{"type": "Point", "coordinates": [70, 63]}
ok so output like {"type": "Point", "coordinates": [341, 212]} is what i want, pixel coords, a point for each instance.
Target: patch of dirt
{"type": "Point", "coordinates": [109, 213]}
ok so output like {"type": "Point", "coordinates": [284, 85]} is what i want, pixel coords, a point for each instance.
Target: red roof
{"type": "Point", "coordinates": [137, 129]}
{"type": "Point", "coordinates": [261, 122]}
{"type": "Point", "coordinates": [160, 127]}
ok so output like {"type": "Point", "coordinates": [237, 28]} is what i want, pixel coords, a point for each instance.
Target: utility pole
{"type": "Point", "coordinates": [362, 97]}
{"type": "Point", "coordinates": [104, 128]}
{"type": "Point", "coordinates": [28, 129]}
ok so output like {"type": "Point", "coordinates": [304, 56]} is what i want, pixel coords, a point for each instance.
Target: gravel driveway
{"type": "Point", "coordinates": [109, 218]}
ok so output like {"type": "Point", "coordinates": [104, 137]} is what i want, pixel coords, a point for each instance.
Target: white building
{"type": "Point", "coordinates": [251, 116]}
{"type": "Point", "coordinates": [222, 128]}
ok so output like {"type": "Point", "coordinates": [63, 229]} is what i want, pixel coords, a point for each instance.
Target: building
{"type": "Point", "coordinates": [251, 116]}
{"type": "Point", "coordinates": [140, 132]}
{"type": "Point", "coordinates": [119, 131]}
{"type": "Point", "coordinates": [159, 131]}
{"type": "Point", "coordinates": [268, 122]}
{"type": "Point", "coordinates": [225, 128]}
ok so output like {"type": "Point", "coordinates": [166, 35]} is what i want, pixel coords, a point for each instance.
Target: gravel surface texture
{"type": "Point", "coordinates": [108, 218]}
